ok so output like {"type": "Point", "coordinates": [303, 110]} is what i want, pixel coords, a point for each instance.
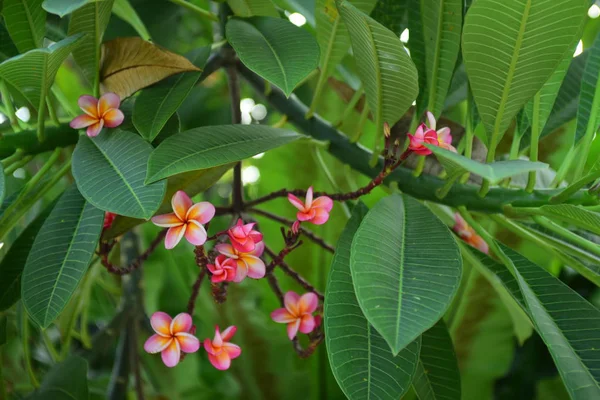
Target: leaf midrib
{"type": "Point", "coordinates": [285, 81]}
{"type": "Point", "coordinates": [436, 58]}
{"type": "Point", "coordinates": [379, 113]}
{"type": "Point", "coordinates": [400, 276]}
{"type": "Point", "coordinates": [329, 50]}
{"type": "Point", "coordinates": [30, 23]}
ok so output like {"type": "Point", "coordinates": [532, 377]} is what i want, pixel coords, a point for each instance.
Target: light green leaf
{"type": "Point", "coordinates": [406, 268]}
{"type": "Point", "coordinates": [26, 23]}
{"type": "Point", "coordinates": [442, 22]}
{"type": "Point", "coordinates": [65, 381]}
{"type": "Point", "coordinates": [155, 105]}
{"type": "Point", "coordinates": [60, 256]}
{"type": "Point", "coordinates": [65, 7]}
{"type": "Point", "coordinates": [575, 215]}
{"type": "Point", "coordinates": [2, 184]}
{"type": "Point", "coordinates": [589, 103]}
{"type": "Point", "coordinates": [110, 170]}
{"type": "Point", "coordinates": [388, 74]}
{"type": "Point", "coordinates": [33, 73]}
{"type": "Point", "coordinates": [565, 321]}
{"type": "Point", "coordinates": [456, 165]}
{"type": "Point", "coordinates": [416, 45]}
{"type": "Point", "coordinates": [360, 359]}
{"type": "Point", "coordinates": [437, 376]}
{"type": "Point", "coordinates": [251, 8]}
{"type": "Point", "coordinates": [511, 48]}
{"type": "Point", "coordinates": [275, 49]}
{"type": "Point", "coordinates": [124, 10]}
{"type": "Point", "coordinates": [210, 146]}
{"type": "Point", "coordinates": [90, 20]}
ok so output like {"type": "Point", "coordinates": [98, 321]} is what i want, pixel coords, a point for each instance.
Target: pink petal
{"type": "Point", "coordinates": [209, 347]}
{"type": "Point", "coordinates": [241, 271]}
{"type": "Point", "coordinates": [113, 118]}
{"type": "Point", "coordinates": [220, 361]}
{"type": "Point", "coordinates": [83, 121]}
{"type": "Point", "coordinates": [171, 354]}
{"type": "Point", "coordinates": [256, 236]}
{"type": "Point", "coordinates": [302, 216]}
{"type": "Point", "coordinates": [431, 120]}
{"type": "Point", "coordinates": [161, 323]}
{"type": "Point", "coordinates": [181, 203]}
{"type": "Point", "coordinates": [156, 343]}
{"type": "Point", "coordinates": [290, 300]}
{"type": "Point", "coordinates": [444, 135]}
{"type": "Point", "coordinates": [256, 266]}
{"type": "Point", "coordinates": [202, 212]}
{"type": "Point", "coordinates": [214, 269]}
{"type": "Point", "coordinates": [245, 245]}
{"type": "Point", "coordinates": [227, 250]}
{"type": "Point", "coordinates": [228, 333]}
{"type": "Point", "coordinates": [181, 323]}
{"type": "Point", "coordinates": [218, 277]}
{"type": "Point", "coordinates": [282, 316]}
{"type": "Point", "coordinates": [321, 216]}
{"type": "Point", "coordinates": [292, 328]}
{"type": "Point", "coordinates": [188, 342]}
{"type": "Point", "coordinates": [108, 101]}
{"type": "Point", "coordinates": [323, 202]}
{"type": "Point", "coordinates": [307, 324]}
{"type": "Point", "coordinates": [296, 202]}
{"type": "Point", "coordinates": [308, 303]}
{"type": "Point", "coordinates": [195, 233]}
{"type": "Point", "coordinates": [247, 229]}
{"type": "Point", "coordinates": [233, 350]}
{"type": "Point", "coordinates": [420, 131]}
{"type": "Point", "coordinates": [95, 129]}
{"type": "Point", "coordinates": [174, 235]}
{"type": "Point", "coordinates": [259, 248]}
{"type": "Point", "coordinates": [167, 220]}
{"type": "Point", "coordinates": [218, 340]}
{"type": "Point", "coordinates": [309, 198]}
{"type": "Point", "coordinates": [89, 105]}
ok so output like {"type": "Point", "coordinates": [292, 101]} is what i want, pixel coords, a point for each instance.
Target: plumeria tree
{"type": "Point", "coordinates": [299, 199]}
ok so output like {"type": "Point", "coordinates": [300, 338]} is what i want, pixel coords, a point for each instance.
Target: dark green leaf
{"type": "Point", "coordinates": [3, 329]}
{"type": "Point", "coordinates": [587, 111]}
{"type": "Point", "coordinates": [7, 47]}
{"type": "Point", "coordinates": [26, 22]}
{"type": "Point", "coordinates": [251, 8]}
{"type": "Point", "coordinates": [575, 215]}
{"type": "Point", "coordinates": [211, 146]}
{"type": "Point", "coordinates": [65, 381]}
{"type": "Point", "coordinates": [2, 184]}
{"type": "Point", "coordinates": [406, 268]}
{"type": "Point", "coordinates": [60, 256]}
{"type": "Point", "coordinates": [416, 45]}
{"type": "Point", "coordinates": [274, 48]}
{"type": "Point", "coordinates": [110, 170]}
{"type": "Point", "coordinates": [124, 10]}
{"type": "Point", "coordinates": [390, 13]}
{"type": "Point", "coordinates": [360, 359]}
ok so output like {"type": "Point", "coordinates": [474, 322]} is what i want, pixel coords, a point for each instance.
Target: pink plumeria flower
{"type": "Point", "coordinates": [244, 237]}
{"type": "Point", "coordinates": [99, 113]}
{"type": "Point", "coordinates": [172, 337]}
{"type": "Point", "coordinates": [428, 135]}
{"type": "Point", "coordinates": [186, 220]}
{"type": "Point", "coordinates": [109, 219]}
{"type": "Point", "coordinates": [220, 351]}
{"type": "Point", "coordinates": [224, 269]}
{"type": "Point", "coordinates": [468, 234]}
{"type": "Point", "coordinates": [315, 211]}
{"type": "Point", "coordinates": [297, 313]}
{"type": "Point", "coordinates": [248, 264]}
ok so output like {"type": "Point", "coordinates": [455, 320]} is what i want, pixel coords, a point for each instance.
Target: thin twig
{"type": "Point", "coordinates": [114, 269]}
{"type": "Point", "coordinates": [316, 337]}
{"type": "Point", "coordinates": [277, 259]}
{"type": "Point", "coordinates": [195, 291]}
{"type": "Point", "coordinates": [276, 289]}
{"type": "Point", "coordinates": [295, 275]}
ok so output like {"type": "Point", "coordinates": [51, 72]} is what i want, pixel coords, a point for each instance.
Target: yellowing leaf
{"type": "Point", "coordinates": [131, 64]}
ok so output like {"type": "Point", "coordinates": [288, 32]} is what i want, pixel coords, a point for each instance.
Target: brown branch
{"type": "Point", "coordinates": [277, 259]}
{"type": "Point", "coordinates": [295, 275]}
{"type": "Point", "coordinates": [219, 291]}
{"type": "Point", "coordinates": [195, 291]}
{"type": "Point", "coordinates": [276, 289]}
{"type": "Point", "coordinates": [105, 249]}
{"type": "Point", "coordinates": [316, 337]}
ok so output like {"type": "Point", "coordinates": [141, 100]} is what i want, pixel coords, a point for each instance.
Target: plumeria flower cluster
{"type": "Point", "coordinates": [241, 257]}
{"type": "Point", "coordinates": [311, 210]}
{"type": "Point", "coordinates": [98, 113]}
{"type": "Point", "coordinates": [297, 313]}
{"type": "Point", "coordinates": [426, 134]}
{"type": "Point", "coordinates": [468, 234]}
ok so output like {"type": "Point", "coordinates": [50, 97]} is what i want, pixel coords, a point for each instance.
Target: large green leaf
{"type": "Point", "coordinates": [13, 262]}
{"type": "Point", "coordinates": [390, 13]}
{"type": "Point", "coordinates": [442, 22]}
{"type": "Point", "coordinates": [511, 48]}
{"type": "Point", "coordinates": [60, 256]}
{"type": "Point", "coordinates": [124, 10]}
{"type": "Point", "coordinates": [360, 359]}
{"type": "Point", "coordinates": [416, 45]}
{"type": "Point", "coordinates": [7, 47]}
{"type": "Point", "coordinates": [456, 165]}
{"type": "Point", "coordinates": [388, 74]}
{"type": "Point", "coordinates": [26, 22]}
{"type": "Point", "coordinates": [91, 20]}
{"type": "Point", "coordinates": [575, 215]}
{"type": "Point", "coordinates": [251, 8]}
{"type": "Point", "coordinates": [33, 73]}
{"type": "Point", "coordinates": [64, 7]}
{"type": "Point", "coordinates": [211, 146]}
{"type": "Point", "coordinates": [565, 321]}
{"type": "Point", "coordinates": [406, 268]}
{"type": "Point", "coordinates": [110, 170]}
{"type": "Point", "coordinates": [437, 376]}
{"type": "Point", "coordinates": [155, 105]}
{"type": "Point", "coordinates": [589, 104]}
{"type": "Point", "coordinates": [65, 381]}
{"type": "Point", "coordinates": [274, 48]}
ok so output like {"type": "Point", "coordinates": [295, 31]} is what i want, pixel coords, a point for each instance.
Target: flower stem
{"type": "Point", "coordinates": [12, 116]}
{"type": "Point", "coordinates": [26, 350]}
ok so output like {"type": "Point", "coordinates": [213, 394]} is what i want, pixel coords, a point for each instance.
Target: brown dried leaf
{"type": "Point", "coordinates": [131, 64]}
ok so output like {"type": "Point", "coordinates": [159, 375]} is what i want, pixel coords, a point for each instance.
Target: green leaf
{"type": "Point", "coordinates": [155, 105]}
{"type": "Point", "coordinates": [60, 256]}
{"type": "Point", "coordinates": [416, 45]}
{"type": "Point", "coordinates": [565, 321]}
{"type": "Point", "coordinates": [33, 73]}
{"type": "Point", "coordinates": [388, 74]}
{"type": "Point", "coordinates": [587, 111]}
{"type": "Point", "coordinates": [406, 268]}
{"type": "Point", "coordinates": [332, 34]}
{"type": "Point", "coordinates": [575, 215]}
{"type": "Point", "coordinates": [437, 374]}
{"type": "Point", "coordinates": [511, 48]}
{"type": "Point", "coordinates": [26, 22]}
{"type": "Point", "coordinates": [211, 146]}
{"type": "Point", "coordinates": [390, 13]}
{"type": "Point", "coordinates": [7, 47]}
{"type": "Point", "coordinates": [90, 20]}
{"type": "Point", "coordinates": [110, 170]}
{"type": "Point", "coordinates": [124, 10]}
{"type": "Point", "coordinates": [442, 22]}
{"type": "Point", "coordinates": [275, 49]}
{"type": "Point", "coordinates": [65, 7]}
{"type": "Point", "coordinates": [2, 184]}
{"type": "Point", "coordinates": [360, 359]}
{"type": "Point", "coordinates": [65, 381]}
{"type": "Point", "coordinates": [251, 8]}
{"type": "Point", "coordinates": [456, 165]}
{"type": "Point", "coordinates": [13, 262]}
